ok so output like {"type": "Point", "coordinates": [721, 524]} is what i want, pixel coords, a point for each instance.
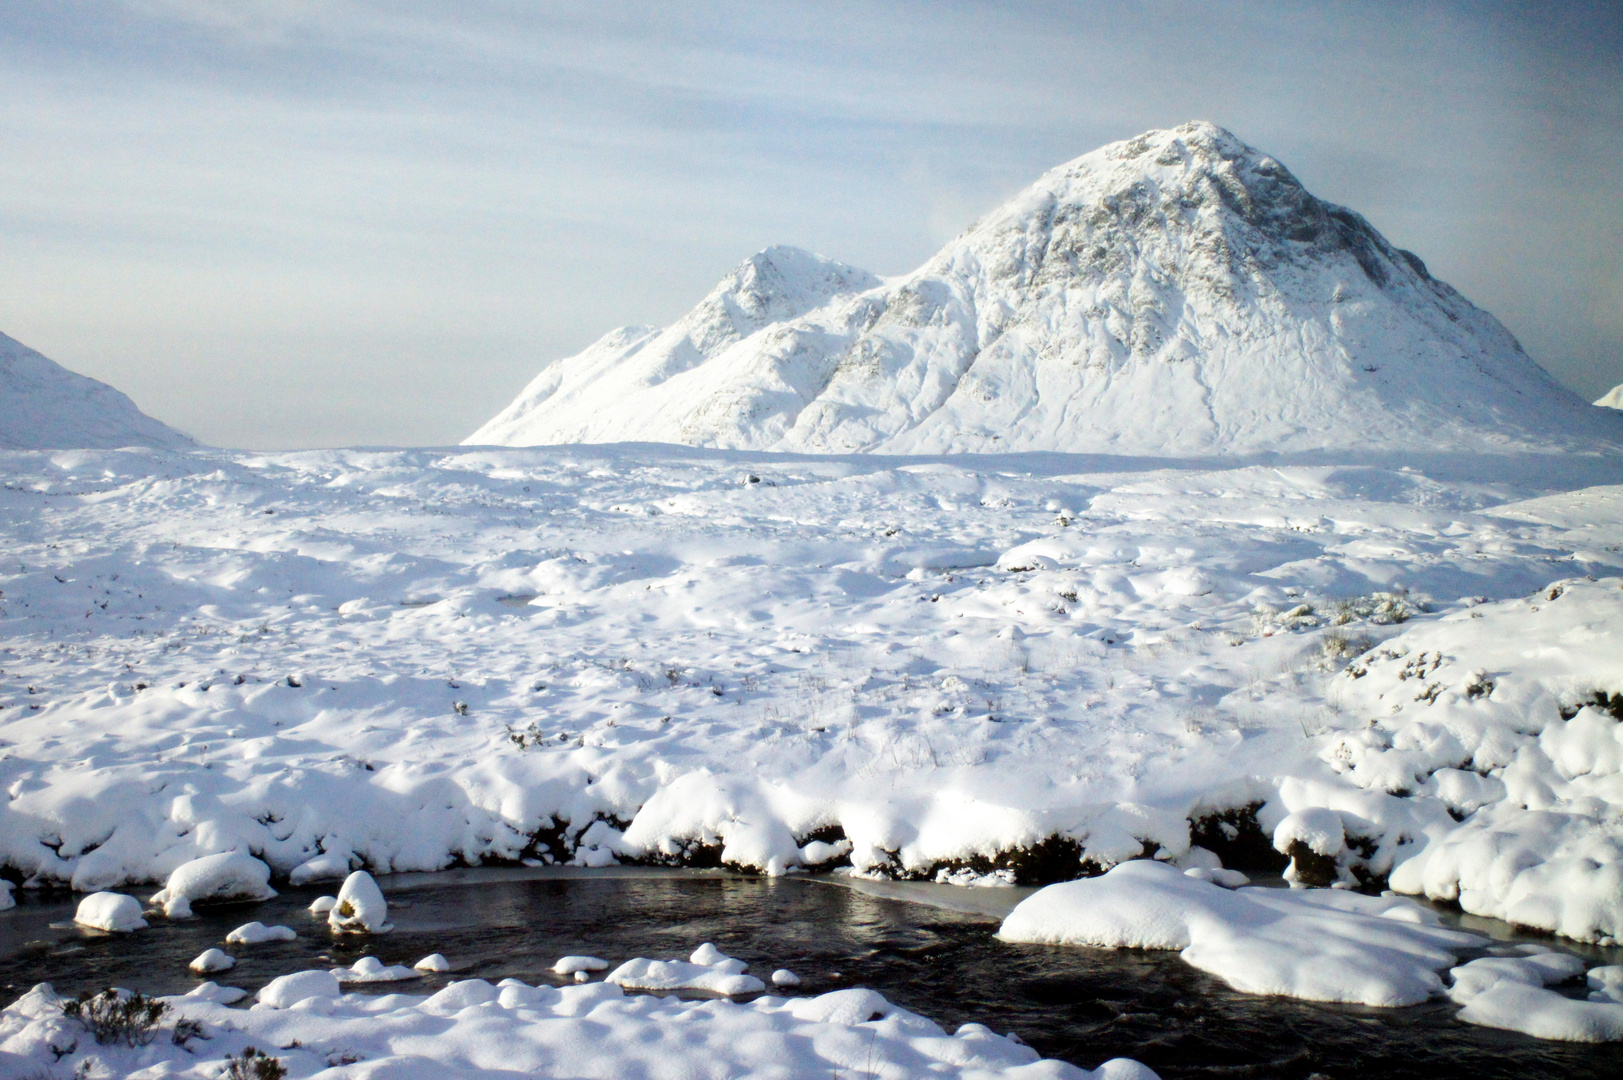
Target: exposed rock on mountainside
{"type": "Point", "coordinates": [44, 406]}
{"type": "Point", "coordinates": [1176, 293]}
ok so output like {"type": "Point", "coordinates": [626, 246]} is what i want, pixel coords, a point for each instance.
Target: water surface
{"type": "Point", "coordinates": [1082, 1005]}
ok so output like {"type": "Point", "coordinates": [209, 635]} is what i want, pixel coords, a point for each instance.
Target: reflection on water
{"type": "Point", "coordinates": [1083, 1005]}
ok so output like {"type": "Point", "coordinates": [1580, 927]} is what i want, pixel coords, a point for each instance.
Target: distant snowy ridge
{"type": "Point", "coordinates": [44, 406]}
{"type": "Point", "coordinates": [584, 393]}
{"type": "Point", "coordinates": [1176, 293]}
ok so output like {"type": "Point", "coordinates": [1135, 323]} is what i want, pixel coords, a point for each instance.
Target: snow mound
{"type": "Point", "coordinates": [361, 908]}
{"type": "Point", "coordinates": [520, 1030]}
{"type": "Point", "coordinates": [1606, 983]}
{"type": "Point", "coordinates": [1612, 399]}
{"type": "Point", "coordinates": [707, 969]}
{"type": "Point", "coordinates": [211, 960]}
{"type": "Point", "coordinates": [1175, 293]}
{"type": "Point", "coordinates": [1319, 945]}
{"type": "Point", "coordinates": [369, 969]}
{"type": "Point", "coordinates": [229, 875]}
{"type": "Point", "coordinates": [1509, 993]}
{"type": "Point", "coordinates": [215, 993]}
{"type": "Point", "coordinates": [256, 933]}
{"type": "Point", "coordinates": [286, 991]}
{"type": "Point", "coordinates": [433, 962]}
{"type": "Point", "coordinates": [569, 965]}
{"type": "Point", "coordinates": [44, 406]}
{"type": "Point", "coordinates": [110, 911]}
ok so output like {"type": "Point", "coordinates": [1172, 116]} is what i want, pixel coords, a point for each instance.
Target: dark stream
{"type": "Point", "coordinates": [1081, 1005]}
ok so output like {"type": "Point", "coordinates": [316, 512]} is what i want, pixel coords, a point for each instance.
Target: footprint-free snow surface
{"type": "Point", "coordinates": [1175, 293]}
{"type": "Point", "coordinates": [44, 405]}
{"type": "Point", "coordinates": [971, 669]}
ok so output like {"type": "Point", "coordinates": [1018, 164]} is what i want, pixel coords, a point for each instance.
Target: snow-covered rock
{"type": "Point", "coordinates": [45, 406]}
{"type": "Point", "coordinates": [211, 960]}
{"type": "Point", "coordinates": [285, 991]}
{"type": "Point", "coordinates": [361, 907]}
{"type": "Point", "coordinates": [230, 875]}
{"type": "Point", "coordinates": [569, 965]}
{"type": "Point", "coordinates": [707, 969]}
{"type": "Point", "coordinates": [1509, 992]}
{"type": "Point", "coordinates": [1319, 944]}
{"type": "Point", "coordinates": [434, 963]}
{"type": "Point", "coordinates": [256, 933]}
{"type": "Point", "coordinates": [1176, 293]}
{"type": "Point", "coordinates": [110, 911]}
{"type": "Point", "coordinates": [369, 969]}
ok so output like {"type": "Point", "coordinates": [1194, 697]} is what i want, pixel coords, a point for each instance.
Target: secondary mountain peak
{"type": "Point", "coordinates": [1179, 292]}
{"type": "Point", "coordinates": [44, 406]}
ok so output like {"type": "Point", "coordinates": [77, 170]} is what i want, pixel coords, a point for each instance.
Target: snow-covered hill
{"type": "Point", "coordinates": [1177, 293]}
{"type": "Point", "coordinates": [1612, 399]}
{"type": "Point", "coordinates": [45, 406]}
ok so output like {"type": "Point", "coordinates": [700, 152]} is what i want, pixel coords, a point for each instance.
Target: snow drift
{"type": "Point", "coordinates": [1176, 293]}
{"type": "Point", "coordinates": [45, 406]}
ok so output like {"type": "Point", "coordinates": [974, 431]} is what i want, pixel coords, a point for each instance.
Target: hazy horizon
{"type": "Point", "coordinates": [282, 224]}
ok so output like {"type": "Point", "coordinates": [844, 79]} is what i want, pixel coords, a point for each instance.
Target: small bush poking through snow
{"type": "Point", "coordinates": [253, 1064]}
{"type": "Point", "coordinates": [1338, 646]}
{"type": "Point", "coordinates": [113, 1018]}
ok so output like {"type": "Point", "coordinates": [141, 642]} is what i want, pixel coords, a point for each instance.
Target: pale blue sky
{"type": "Point", "coordinates": [278, 223]}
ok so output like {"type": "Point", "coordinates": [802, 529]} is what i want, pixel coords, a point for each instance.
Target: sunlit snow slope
{"type": "Point", "coordinates": [1612, 399]}
{"type": "Point", "coordinates": [43, 405]}
{"type": "Point", "coordinates": [1177, 293]}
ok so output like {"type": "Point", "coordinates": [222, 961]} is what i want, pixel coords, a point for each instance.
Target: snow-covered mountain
{"type": "Point", "coordinates": [1612, 399]}
{"type": "Point", "coordinates": [43, 405]}
{"type": "Point", "coordinates": [1176, 293]}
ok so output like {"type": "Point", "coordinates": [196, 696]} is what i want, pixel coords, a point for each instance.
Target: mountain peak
{"type": "Point", "coordinates": [1179, 292]}
{"type": "Point", "coordinates": [47, 407]}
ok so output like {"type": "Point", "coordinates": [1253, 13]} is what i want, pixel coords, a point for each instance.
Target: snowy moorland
{"type": "Point", "coordinates": [972, 669]}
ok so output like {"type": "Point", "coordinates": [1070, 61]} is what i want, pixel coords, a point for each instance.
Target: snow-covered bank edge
{"type": "Point", "coordinates": [472, 1026]}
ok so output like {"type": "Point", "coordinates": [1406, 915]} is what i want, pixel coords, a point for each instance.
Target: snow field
{"type": "Point", "coordinates": [980, 669]}
{"type": "Point", "coordinates": [473, 1028]}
